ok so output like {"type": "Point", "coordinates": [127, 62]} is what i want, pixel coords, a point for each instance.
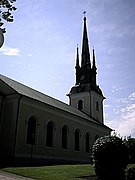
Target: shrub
{"type": "Point", "coordinates": [130, 173]}
{"type": "Point", "coordinates": [130, 144]}
{"type": "Point", "coordinates": [110, 158]}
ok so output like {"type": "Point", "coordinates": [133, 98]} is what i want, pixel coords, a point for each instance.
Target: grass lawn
{"type": "Point", "coordinates": [59, 172]}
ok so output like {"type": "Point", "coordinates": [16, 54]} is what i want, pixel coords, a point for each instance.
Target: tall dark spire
{"type": "Point", "coordinates": [94, 69]}
{"type": "Point", "coordinates": [77, 67]}
{"type": "Point", "coordinates": [94, 61]}
{"type": "Point", "coordinates": [85, 72]}
{"type": "Point", "coordinates": [85, 46]}
{"type": "Point", "coordinates": [77, 57]}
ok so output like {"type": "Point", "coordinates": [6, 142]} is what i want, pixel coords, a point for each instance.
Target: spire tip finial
{"type": "Point", "coordinates": [84, 13]}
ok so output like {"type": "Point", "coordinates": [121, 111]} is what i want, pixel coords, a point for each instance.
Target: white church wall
{"type": "Point", "coordinates": [7, 125]}
{"type": "Point", "coordinates": [97, 112]}
{"type": "Point", "coordinates": [85, 97]}
{"type": "Point", "coordinates": [44, 114]}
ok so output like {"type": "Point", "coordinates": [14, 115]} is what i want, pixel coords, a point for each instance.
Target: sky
{"type": "Point", "coordinates": [40, 51]}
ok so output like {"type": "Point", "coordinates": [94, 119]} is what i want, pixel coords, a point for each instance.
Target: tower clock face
{"type": "Point", "coordinates": [82, 77]}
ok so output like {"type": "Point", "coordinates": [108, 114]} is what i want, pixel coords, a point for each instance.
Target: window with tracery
{"type": "Point", "coordinates": [87, 142]}
{"type": "Point", "coordinates": [77, 140]}
{"type": "Point", "coordinates": [31, 131]}
{"type": "Point", "coordinates": [64, 137]}
{"type": "Point", "coordinates": [50, 134]}
{"type": "Point", "coordinates": [97, 105]}
{"type": "Point", "coordinates": [80, 104]}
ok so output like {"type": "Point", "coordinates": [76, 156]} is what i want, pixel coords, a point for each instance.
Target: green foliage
{"type": "Point", "coordinates": [130, 144]}
{"type": "Point", "coordinates": [130, 173]}
{"type": "Point", "coordinates": [6, 8]}
{"type": "Point", "coordinates": [110, 158]}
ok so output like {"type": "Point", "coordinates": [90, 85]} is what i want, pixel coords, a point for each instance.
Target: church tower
{"type": "Point", "coordinates": [86, 94]}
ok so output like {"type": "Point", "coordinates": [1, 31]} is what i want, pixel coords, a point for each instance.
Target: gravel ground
{"type": "Point", "coordinates": [9, 176]}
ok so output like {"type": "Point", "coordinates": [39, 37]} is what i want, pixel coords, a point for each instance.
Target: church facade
{"type": "Point", "coordinates": [36, 126]}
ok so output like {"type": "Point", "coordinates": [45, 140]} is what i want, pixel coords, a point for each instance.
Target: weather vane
{"type": "Point", "coordinates": [84, 13]}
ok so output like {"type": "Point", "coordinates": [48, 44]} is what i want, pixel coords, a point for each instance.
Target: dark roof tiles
{"type": "Point", "coordinates": [36, 95]}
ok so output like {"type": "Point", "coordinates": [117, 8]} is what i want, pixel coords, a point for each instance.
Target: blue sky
{"type": "Point", "coordinates": [40, 48]}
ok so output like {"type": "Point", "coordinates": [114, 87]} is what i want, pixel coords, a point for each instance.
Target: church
{"type": "Point", "coordinates": [35, 126]}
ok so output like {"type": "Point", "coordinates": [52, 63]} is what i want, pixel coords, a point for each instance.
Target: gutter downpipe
{"type": "Point", "coordinates": [1, 110]}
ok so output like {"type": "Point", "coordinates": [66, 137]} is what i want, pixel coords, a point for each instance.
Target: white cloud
{"type": "Point", "coordinates": [126, 126]}
{"type": "Point", "coordinates": [107, 105]}
{"type": "Point", "coordinates": [8, 51]}
{"type": "Point", "coordinates": [116, 88]}
{"type": "Point", "coordinates": [132, 96]}
{"type": "Point", "coordinates": [122, 101]}
{"type": "Point", "coordinates": [124, 114]}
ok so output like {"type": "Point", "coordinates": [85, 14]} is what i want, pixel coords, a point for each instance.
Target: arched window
{"type": "Point", "coordinates": [50, 134]}
{"type": "Point", "coordinates": [64, 137]}
{"type": "Point", "coordinates": [87, 142]}
{"type": "Point", "coordinates": [80, 104]}
{"type": "Point", "coordinates": [31, 131]}
{"type": "Point", "coordinates": [77, 140]}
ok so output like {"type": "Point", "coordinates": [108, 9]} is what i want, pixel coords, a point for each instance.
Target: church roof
{"type": "Point", "coordinates": [9, 86]}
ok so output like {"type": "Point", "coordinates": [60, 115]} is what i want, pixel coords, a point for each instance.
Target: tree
{"type": "Point", "coordinates": [130, 173]}
{"type": "Point", "coordinates": [130, 144]}
{"type": "Point", "coordinates": [6, 9]}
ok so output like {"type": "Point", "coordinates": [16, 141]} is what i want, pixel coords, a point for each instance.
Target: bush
{"type": "Point", "coordinates": [130, 173]}
{"type": "Point", "coordinates": [110, 158]}
{"type": "Point", "coordinates": [130, 144]}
